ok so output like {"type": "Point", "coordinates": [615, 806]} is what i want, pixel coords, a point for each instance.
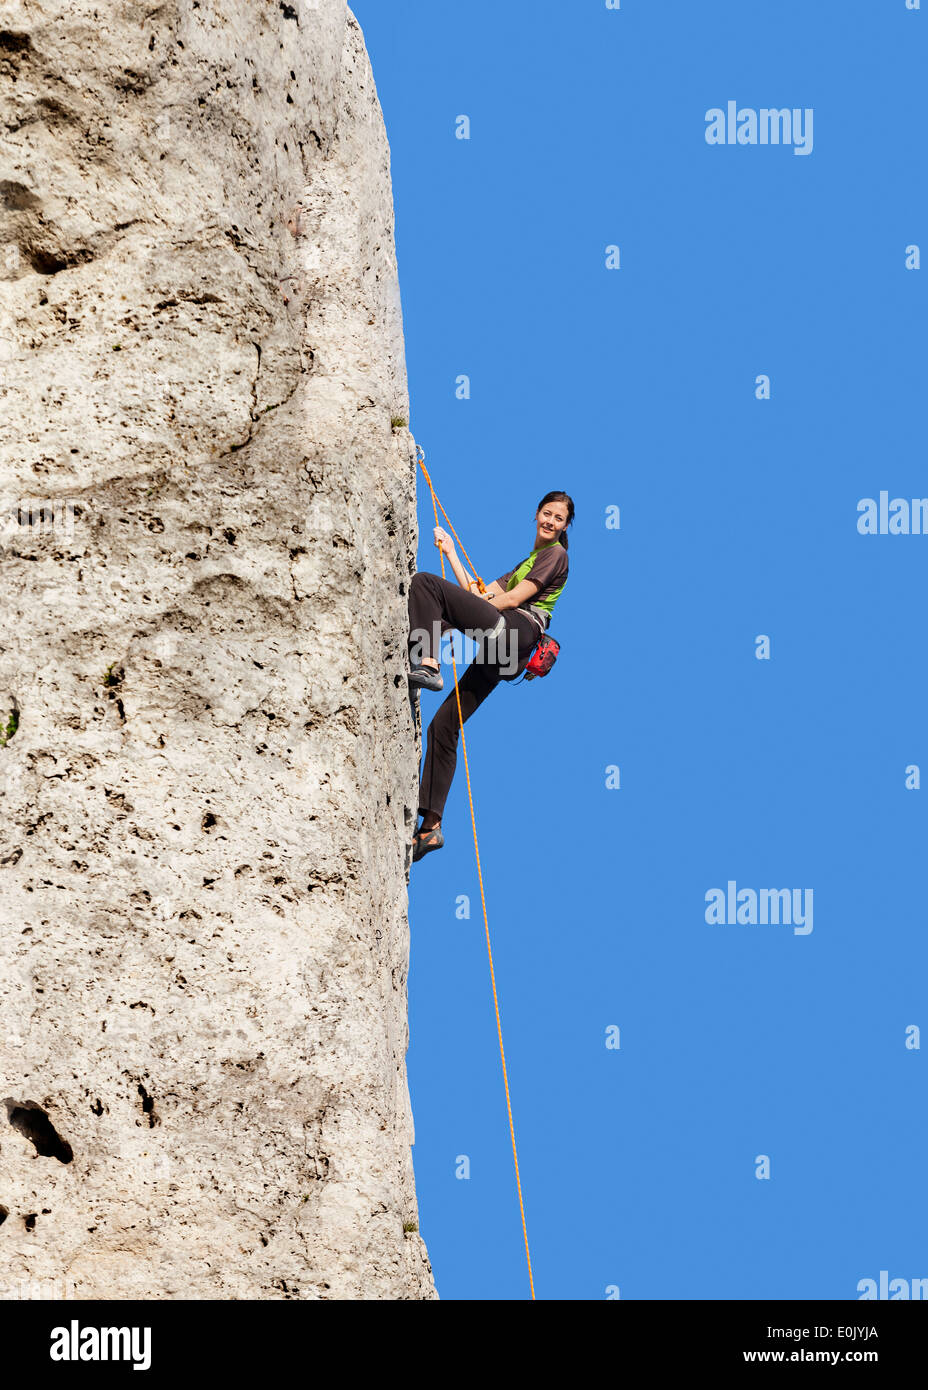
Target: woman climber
{"type": "Point", "coordinates": [506, 622]}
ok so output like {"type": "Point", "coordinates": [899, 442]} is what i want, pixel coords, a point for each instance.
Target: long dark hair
{"type": "Point", "coordinates": [559, 497]}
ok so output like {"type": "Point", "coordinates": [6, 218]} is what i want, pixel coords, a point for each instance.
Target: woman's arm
{"type": "Point", "coordinates": [523, 592]}
{"type": "Point", "coordinates": [460, 573]}
{"type": "Point", "coordinates": [549, 566]}
{"type": "Point", "coordinates": [444, 543]}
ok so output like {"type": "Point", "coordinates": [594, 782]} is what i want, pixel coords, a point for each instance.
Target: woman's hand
{"type": "Point", "coordinates": [444, 542]}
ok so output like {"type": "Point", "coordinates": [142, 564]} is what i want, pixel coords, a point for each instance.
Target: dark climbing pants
{"type": "Point", "coordinates": [436, 604]}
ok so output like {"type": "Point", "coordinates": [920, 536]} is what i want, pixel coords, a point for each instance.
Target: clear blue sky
{"type": "Point", "coordinates": [635, 388]}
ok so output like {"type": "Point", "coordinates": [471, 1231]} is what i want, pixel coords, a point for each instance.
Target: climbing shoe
{"type": "Point", "coordinates": [426, 677]}
{"type": "Point", "coordinates": [426, 840]}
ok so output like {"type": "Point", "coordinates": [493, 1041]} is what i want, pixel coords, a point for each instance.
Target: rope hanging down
{"type": "Point", "coordinates": [436, 505]}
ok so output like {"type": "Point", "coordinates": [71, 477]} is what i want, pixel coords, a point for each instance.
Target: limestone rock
{"type": "Point", "coordinates": [207, 754]}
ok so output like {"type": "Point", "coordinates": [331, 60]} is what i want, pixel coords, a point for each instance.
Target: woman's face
{"type": "Point", "coordinates": [551, 520]}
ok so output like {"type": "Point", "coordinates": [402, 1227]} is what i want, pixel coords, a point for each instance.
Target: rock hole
{"type": "Point", "coordinates": [29, 1221]}
{"type": "Point", "coordinates": [208, 821]}
{"type": "Point", "coordinates": [31, 1121]}
{"type": "Point", "coordinates": [4, 1213]}
{"type": "Point", "coordinates": [46, 262]}
{"type": "Point", "coordinates": [11, 42]}
{"type": "Point", "coordinates": [148, 1106]}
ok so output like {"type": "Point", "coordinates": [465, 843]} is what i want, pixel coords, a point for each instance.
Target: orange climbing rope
{"type": "Point", "coordinates": [420, 452]}
{"type": "Point", "coordinates": [436, 505]}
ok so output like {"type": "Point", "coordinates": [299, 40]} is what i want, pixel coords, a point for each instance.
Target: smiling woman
{"type": "Point", "coordinates": [505, 622]}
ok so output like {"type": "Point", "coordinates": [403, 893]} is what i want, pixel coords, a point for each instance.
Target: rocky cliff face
{"type": "Point", "coordinates": [208, 769]}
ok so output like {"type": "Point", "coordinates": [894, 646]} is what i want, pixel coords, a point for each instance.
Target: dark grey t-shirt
{"type": "Point", "coordinates": [549, 571]}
